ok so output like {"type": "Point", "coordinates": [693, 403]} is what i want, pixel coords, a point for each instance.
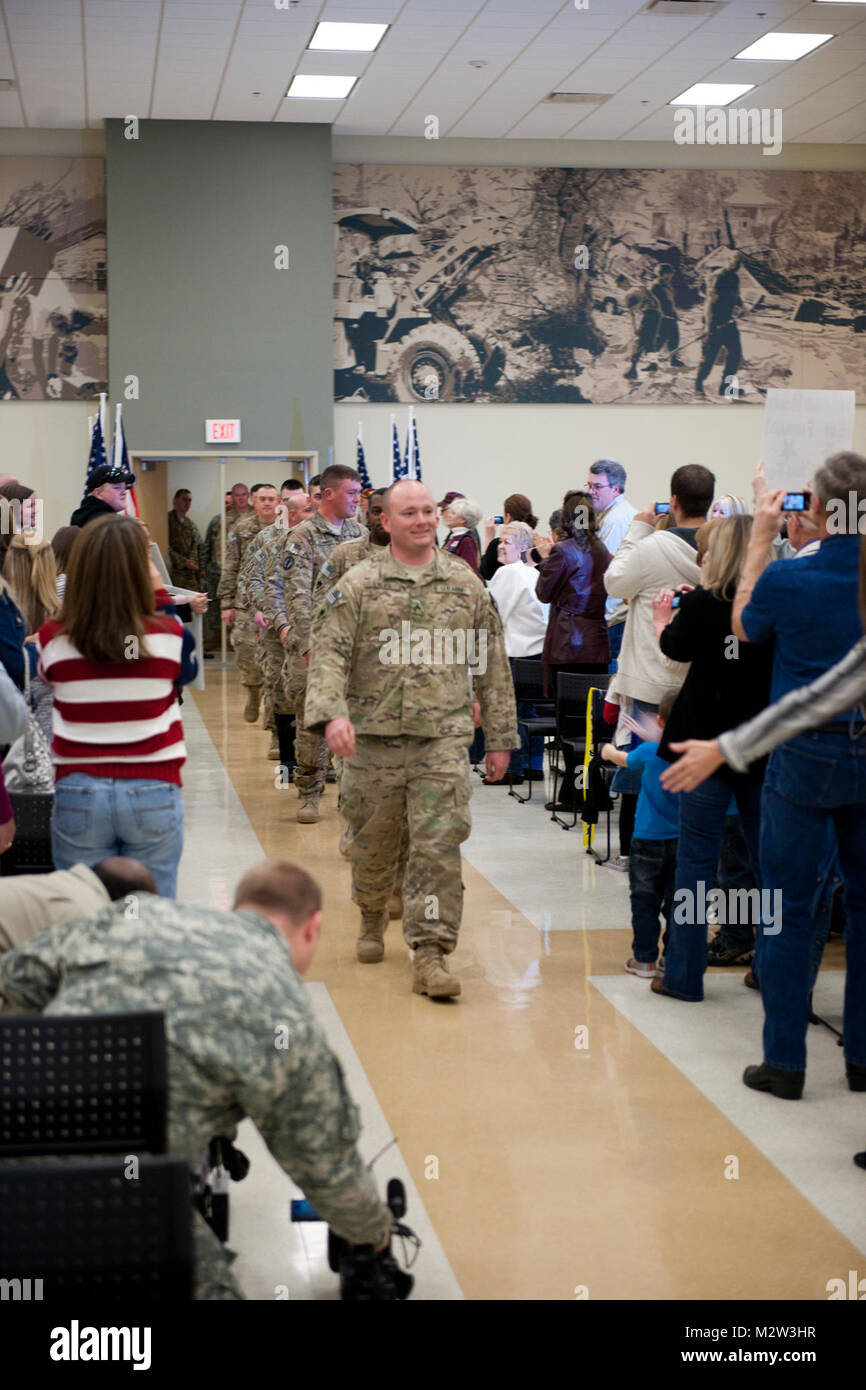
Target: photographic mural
{"type": "Point", "coordinates": [52, 279]}
{"type": "Point", "coordinates": [596, 285]}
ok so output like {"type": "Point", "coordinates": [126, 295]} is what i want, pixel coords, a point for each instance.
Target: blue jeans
{"type": "Point", "coordinates": [816, 779]}
{"type": "Point", "coordinates": [651, 869]}
{"type": "Point", "coordinates": [735, 871]}
{"type": "Point", "coordinates": [702, 822]}
{"type": "Point", "coordinates": [97, 817]}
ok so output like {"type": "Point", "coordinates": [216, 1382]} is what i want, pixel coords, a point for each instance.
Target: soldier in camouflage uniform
{"type": "Point", "coordinates": [389, 689]}
{"type": "Point", "coordinates": [291, 578]}
{"type": "Point", "coordinates": [251, 595]}
{"type": "Point", "coordinates": [240, 619]}
{"type": "Point", "coordinates": [242, 1038]}
{"type": "Point", "coordinates": [184, 545]}
{"type": "Point", "coordinates": [211, 560]}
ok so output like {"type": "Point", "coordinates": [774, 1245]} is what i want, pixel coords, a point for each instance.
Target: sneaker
{"type": "Point", "coordinates": [644, 969]}
{"type": "Point", "coordinates": [720, 954]}
{"type": "Point", "coordinates": [620, 863]}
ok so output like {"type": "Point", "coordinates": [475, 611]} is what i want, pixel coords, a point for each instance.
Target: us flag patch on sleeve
{"type": "Point", "coordinates": [333, 596]}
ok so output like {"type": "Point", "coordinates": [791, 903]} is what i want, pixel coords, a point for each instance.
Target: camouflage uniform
{"type": "Point", "coordinates": [184, 543]}
{"type": "Point", "coordinates": [413, 725]}
{"type": "Point", "coordinates": [211, 560]}
{"type": "Point", "coordinates": [269, 649]}
{"type": "Point", "coordinates": [342, 558]}
{"type": "Point", "coordinates": [243, 630]}
{"type": "Point", "coordinates": [231, 998]}
{"type": "Point", "coordinates": [291, 578]}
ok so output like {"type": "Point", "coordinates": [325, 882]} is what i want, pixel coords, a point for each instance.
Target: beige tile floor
{"type": "Point", "coordinates": [559, 1167]}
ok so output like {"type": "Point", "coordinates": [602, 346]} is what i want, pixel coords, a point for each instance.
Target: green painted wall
{"type": "Point", "coordinates": [198, 310]}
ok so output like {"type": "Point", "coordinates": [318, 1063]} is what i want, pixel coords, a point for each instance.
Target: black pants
{"type": "Point", "coordinates": [727, 339]}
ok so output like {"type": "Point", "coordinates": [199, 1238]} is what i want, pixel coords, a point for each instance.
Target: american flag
{"type": "Point", "coordinates": [412, 456]}
{"type": "Point", "coordinates": [97, 457]}
{"type": "Point", "coordinates": [398, 469]}
{"type": "Point", "coordinates": [121, 460]}
{"type": "Point", "coordinates": [361, 463]}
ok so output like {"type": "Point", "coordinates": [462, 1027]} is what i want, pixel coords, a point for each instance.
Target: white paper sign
{"type": "Point", "coordinates": [801, 428]}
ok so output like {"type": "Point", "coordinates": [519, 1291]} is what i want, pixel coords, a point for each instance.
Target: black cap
{"type": "Point", "coordinates": [109, 474]}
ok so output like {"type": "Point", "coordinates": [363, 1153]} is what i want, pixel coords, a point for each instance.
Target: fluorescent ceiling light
{"type": "Point", "coordinates": [712, 93]}
{"type": "Point", "coordinates": [839, 2]}
{"type": "Point", "coordinates": [348, 38]}
{"type": "Point", "coordinates": [321, 88]}
{"type": "Point", "coordinates": [783, 48]}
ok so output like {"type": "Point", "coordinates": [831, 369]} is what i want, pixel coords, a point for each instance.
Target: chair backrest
{"type": "Point", "coordinates": [572, 694]}
{"type": "Point", "coordinates": [89, 1229]}
{"type": "Point", "coordinates": [82, 1084]}
{"type": "Point", "coordinates": [602, 730]}
{"type": "Point", "coordinates": [528, 680]}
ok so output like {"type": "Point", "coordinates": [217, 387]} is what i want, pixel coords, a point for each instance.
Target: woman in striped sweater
{"type": "Point", "coordinates": [118, 737]}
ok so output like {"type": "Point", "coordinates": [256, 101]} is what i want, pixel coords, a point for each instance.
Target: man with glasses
{"type": "Point", "coordinates": [606, 487]}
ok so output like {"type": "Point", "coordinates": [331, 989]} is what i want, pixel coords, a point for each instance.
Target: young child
{"type": "Point", "coordinates": [653, 859]}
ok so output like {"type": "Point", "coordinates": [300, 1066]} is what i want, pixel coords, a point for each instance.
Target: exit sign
{"type": "Point", "coordinates": [222, 431]}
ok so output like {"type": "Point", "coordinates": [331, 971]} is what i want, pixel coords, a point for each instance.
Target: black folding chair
{"type": "Point", "coordinates": [603, 732]}
{"type": "Point", "coordinates": [87, 1229]}
{"type": "Point", "coordinates": [82, 1084]}
{"type": "Point", "coordinates": [529, 689]}
{"type": "Point", "coordinates": [572, 693]}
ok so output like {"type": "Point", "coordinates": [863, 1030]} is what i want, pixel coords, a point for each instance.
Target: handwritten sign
{"type": "Point", "coordinates": [801, 428]}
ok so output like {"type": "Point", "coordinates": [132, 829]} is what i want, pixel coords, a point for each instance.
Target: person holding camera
{"type": "Point", "coordinates": [241, 1034]}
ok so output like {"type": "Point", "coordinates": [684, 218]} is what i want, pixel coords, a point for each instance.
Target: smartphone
{"type": "Point", "coordinates": [498, 520]}
{"type": "Point", "coordinates": [675, 601]}
{"type": "Point", "coordinates": [796, 501]}
{"type": "Point", "coordinates": [662, 508]}
{"type": "Point", "coordinates": [303, 1211]}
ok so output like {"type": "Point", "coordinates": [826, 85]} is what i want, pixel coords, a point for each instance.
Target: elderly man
{"type": "Point", "coordinates": [402, 717]}
{"type": "Point", "coordinates": [106, 494]}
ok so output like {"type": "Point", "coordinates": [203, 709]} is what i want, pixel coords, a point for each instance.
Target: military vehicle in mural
{"type": "Point", "coordinates": [398, 333]}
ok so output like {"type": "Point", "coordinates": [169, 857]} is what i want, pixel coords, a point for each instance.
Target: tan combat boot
{"type": "Point", "coordinates": [370, 946]}
{"type": "Point", "coordinates": [430, 974]}
{"type": "Point", "coordinates": [274, 749]}
{"type": "Point", "coordinates": [308, 810]}
{"type": "Point", "coordinates": [251, 708]}
{"type": "Point", "coordinates": [395, 906]}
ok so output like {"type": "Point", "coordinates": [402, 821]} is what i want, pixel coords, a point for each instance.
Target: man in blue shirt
{"type": "Point", "coordinates": [809, 607]}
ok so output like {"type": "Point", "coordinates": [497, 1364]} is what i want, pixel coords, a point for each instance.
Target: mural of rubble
{"type": "Point", "coordinates": [53, 343]}
{"type": "Point", "coordinates": [596, 285]}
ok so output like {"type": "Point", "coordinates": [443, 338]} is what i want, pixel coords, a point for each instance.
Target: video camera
{"type": "Point", "coordinates": [368, 1276]}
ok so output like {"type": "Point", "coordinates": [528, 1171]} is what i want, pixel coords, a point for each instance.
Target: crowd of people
{"type": "Point", "coordinates": [728, 645]}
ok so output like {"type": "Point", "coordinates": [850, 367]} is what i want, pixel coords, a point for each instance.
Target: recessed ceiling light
{"type": "Point", "coordinates": [348, 38]}
{"type": "Point", "coordinates": [321, 88]}
{"type": "Point", "coordinates": [783, 48]}
{"type": "Point", "coordinates": [712, 93]}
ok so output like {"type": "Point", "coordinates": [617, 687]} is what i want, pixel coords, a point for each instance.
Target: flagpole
{"type": "Point", "coordinates": [118, 437]}
{"type": "Point", "coordinates": [102, 421]}
{"type": "Point", "coordinates": [90, 420]}
{"type": "Point", "coordinates": [410, 444]}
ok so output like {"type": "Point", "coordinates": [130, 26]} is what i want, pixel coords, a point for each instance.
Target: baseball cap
{"type": "Point", "coordinates": [109, 474]}
{"type": "Point", "coordinates": [449, 498]}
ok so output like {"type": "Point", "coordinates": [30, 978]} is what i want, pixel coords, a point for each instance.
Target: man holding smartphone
{"type": "Point", "coordinates": [809, 610]}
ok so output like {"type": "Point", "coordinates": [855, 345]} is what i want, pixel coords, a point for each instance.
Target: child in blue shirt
{"type": "Point", "coordinates": [653, 858]}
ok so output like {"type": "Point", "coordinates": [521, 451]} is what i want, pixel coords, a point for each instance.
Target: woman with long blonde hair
{"type": "Point", "coordinates": [727, 682]}
{"type": "Point", "coordinates": [30, 574]}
